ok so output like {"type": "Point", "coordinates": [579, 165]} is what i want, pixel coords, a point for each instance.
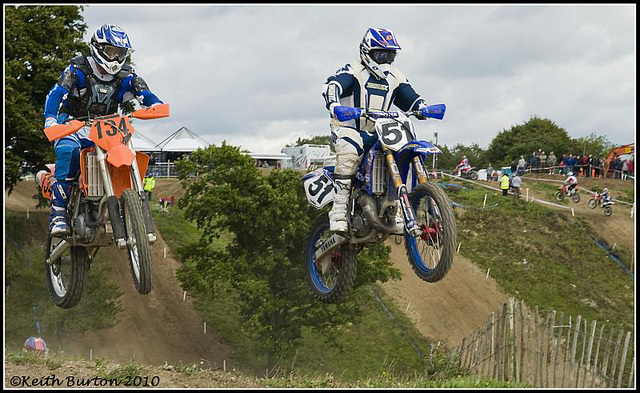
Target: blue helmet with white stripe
{"type": "Point", "coordinates": [110, 47]}
{"type": "Point", "coordinates": [378, 50]}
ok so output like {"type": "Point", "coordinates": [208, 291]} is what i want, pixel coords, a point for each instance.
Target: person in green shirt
{"type": "Point", "coordinates": [148, 184]}
{"type": "Point", "coordinates": [504, 184]}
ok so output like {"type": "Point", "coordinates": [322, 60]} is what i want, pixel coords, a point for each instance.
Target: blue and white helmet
{"type": "Point", "coordinates": [109, 47]}
{"type": "Point", "coordinates": [378, 50]}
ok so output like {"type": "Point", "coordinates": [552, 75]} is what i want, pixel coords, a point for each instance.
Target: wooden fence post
{"type": "Point", "coordinates": [549, 346]}
{"type": "Point", "coordinates": [566, 352]}
{"type": "Point", "coordinates": [595, 363]}
{"type": "Point", "coordinates": [512, 349]}
{"type": "Point", "coordinates": [591, 337]}
{"type": "Point", "coordinates": [522, 347]}
{"type": "Point", "coordinates": [573, 350]}
{"type": "Point", "coordinates": [633, 368]}
{"type": "Point", "coordinates": [493, 346]}
{"type": "Point", "coordinates": [584, 345]}
{"type": "Point", "coordinates": [536, 353]}
{"type": "Point", "coordinates": [623, 358]}
{"type": "Point", "coordinates": [614, 363]}
{"type": "Point", "coordinates": [504, 352]}
{"type": "Point", "coordinates": [558, 348]}
{"type": "Point", "coordinates": [607, 348]}
{"type": "Point", "coordinates": [463, 346]}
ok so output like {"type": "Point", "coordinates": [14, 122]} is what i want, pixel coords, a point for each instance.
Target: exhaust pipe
{"type": "Point", "coordinates": [368, 205]}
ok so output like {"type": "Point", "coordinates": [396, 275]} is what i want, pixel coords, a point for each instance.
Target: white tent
{"type": "Point", "coordinates": [183, 140]}
{"type": "Point", "coordinates": [142, 143]}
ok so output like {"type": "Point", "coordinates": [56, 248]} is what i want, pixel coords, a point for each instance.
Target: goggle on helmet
{"type": "Point", "coordinates": [378, 50]}
{"type": "Point", "coordinates": [110, 47]}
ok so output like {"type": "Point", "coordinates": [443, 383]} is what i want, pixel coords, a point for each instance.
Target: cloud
{"type": "Point", "coordinates": [252, 74]}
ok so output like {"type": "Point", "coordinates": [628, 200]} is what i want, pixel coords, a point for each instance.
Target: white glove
{"type": "Point", "coordinates": [50, 122]}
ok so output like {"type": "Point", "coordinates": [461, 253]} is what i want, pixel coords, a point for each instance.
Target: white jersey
{"type": "Point", "coordinates": [353, 85]}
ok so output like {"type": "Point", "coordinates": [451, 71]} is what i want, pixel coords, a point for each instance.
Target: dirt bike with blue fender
{"type": "Point", "coordinates": [391, 176]}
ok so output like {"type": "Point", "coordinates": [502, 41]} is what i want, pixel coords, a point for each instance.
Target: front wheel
{"type": "Point", "coordinates": [332, 277]}
{"type": "Point", "coordinates": [431, 253]}
{"type": "Point", "coordinates": [608, 210]}
{"type": "Point", "coordinates": [473, 175]}
{"type": "Point", "coordinates": [65, 277]}
{"type": "Point", "coordinates": [138, 247]}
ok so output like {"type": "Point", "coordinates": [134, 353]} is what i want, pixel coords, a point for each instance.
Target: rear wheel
{"type": "Point", "coordinates": [65, 277]}
{"type": "Point", "coordinates": [431, 253]}
{"type": "Point", "coordinates": [332, 277]}
{"type": "Point", "coordinates": [608, 210]}
{"type": "Point", "coordinates": [138, 247]}
{"type": "Point", "coordinates": [592, 203]}
{"type": "Point", "coordinates": [559, 196]}
{"type": "Point", "coordinates": [575, 198]}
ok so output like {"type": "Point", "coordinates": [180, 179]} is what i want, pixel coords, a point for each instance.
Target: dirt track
{"type": "Point", "coordinates": [161, 327]}
{"type": "Point", "coordinates": [448, 310]}
{"type": "Point", "coordinates": [152, 329]}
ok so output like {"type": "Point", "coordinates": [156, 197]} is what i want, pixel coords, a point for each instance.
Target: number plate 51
{"type": "Point", "coordinates": [319, 188]}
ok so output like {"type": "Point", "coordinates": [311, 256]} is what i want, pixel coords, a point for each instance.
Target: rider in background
{"type": "Point", "coordinates": [371, 83]}
{"type": "Point", "coordinates": [606, 198]}
{"type": "Point", "coordinates": [571, 181]}
{"type": "Point", "coordinates": [463, 165]}
{"type": "Point", "coordinates": [90, 86]}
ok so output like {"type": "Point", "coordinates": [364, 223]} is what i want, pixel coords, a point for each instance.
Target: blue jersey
{"type": "Point", "coordinates": [357, 87]}
{"type": "Point", "coordinates": [82, 90]}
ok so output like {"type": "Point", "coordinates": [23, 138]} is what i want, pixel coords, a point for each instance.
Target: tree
{"type": "Point", "coordinates": [599, 146]}
{"type": "Point", "coordinates": [267, 218]}
{"type": "Point", "coordinates": [523, 139]}
{"type": "Point", "coordinates": [315, 140]}
{"type": "Point", "coordinates": [452, 157]}
{"type": "Point", "coordinates": [39, 42]}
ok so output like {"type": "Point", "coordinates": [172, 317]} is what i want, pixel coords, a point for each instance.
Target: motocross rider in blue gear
{"type": "Point", "coordinates": [90, 86]}
{"type": "Point", "coordinates": [371, 83]}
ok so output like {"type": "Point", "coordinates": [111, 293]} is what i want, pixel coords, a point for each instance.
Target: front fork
{"type": "Point", "coordinates": [146, 210]}
{"type": "Point", "coordinates": [409, 217]}
{"type": "Point", "coordinates": [117, 224]}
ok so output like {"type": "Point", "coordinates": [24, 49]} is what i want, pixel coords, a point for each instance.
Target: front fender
{"type": "Point", "coordinates": [410, 150]}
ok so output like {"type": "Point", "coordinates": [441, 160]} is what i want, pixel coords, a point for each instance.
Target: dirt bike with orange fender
{"type": "Point", "coordinates": [107, 205]}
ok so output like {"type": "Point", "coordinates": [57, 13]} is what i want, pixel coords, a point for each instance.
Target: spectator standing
{"type": "Point", "coordinates": [533, 161]}
{"type": "Point", "coordinates": [521, 164]}
{"type": "Point", "coordinates": [516, 183]}
{"type": "Point", "coordinates": [504, 184]}
{"type": "Point", "coordinates": [514, 168]}
{"type": "Point", "coordinates": [542, 160]}
{"type": "Point", "coordinates": [565, 164]}
{"type": "Point", "coordinates": [617, 167]}
{"type": "Point", "coordinates": [631, 167]}
{"type": "Point", "coordinates": [551, 162]}
{"type": "Point", "coordinates": [589, 165]}
{"type": "Point", "coordinates": [584, 165]}
{"type": "Point", "coordinates": [489, 172]}
{"type": "Point", "coordinates": [625, 168]}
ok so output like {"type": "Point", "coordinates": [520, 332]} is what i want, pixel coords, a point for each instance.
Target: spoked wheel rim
{"type": "Point", "coordinates": [132, 247]}
{"type": "Point", "coordinates": [427, 248]}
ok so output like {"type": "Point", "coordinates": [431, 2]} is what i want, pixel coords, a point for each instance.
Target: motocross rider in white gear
{"type": "Point", "coordinates": [371, 83]}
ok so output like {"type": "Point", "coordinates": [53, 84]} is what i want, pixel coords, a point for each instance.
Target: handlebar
{"type": "Point", "coordinates": [345, 113]}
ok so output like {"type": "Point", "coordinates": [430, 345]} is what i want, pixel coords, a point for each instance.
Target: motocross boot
{"type": "Point", "coordinates": [399, 228]}
{"type": "Point", "coordinates": [59, 198]}
{"type": "Point", "coordinates": [338, 213]}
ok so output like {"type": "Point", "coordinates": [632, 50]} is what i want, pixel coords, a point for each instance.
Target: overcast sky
{"type": "Point", "coordinates": [253, 74]}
